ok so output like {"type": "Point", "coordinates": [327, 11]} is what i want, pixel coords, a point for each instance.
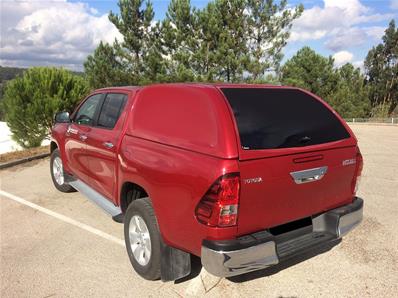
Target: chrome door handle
{"type": "Point", "coordinates": [108, 145]}
{"type": "Point", "coordinates": [309, 175]}
{"type": "Point", "coordinates": [71, 130]}
{"type": "Point", "coordinates": [83, 137]}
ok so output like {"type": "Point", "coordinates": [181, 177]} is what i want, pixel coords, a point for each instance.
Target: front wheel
{"type": "Point", "coordinates": [143, 242]}
{"type": "Point", "coordinates": [57, 173]}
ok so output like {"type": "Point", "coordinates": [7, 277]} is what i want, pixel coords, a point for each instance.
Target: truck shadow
{"type": "Point", "coordinates": [284, 264]}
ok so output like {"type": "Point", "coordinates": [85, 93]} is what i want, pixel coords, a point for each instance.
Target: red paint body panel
{"type": "Point", "coordinates": [175, 140]}
{"type": "Point", "coordinates": [193, 118]}
{"type": "Point", "coordinates": [175, 179]}
{"type": "Point", "coordinates": [76, 150]}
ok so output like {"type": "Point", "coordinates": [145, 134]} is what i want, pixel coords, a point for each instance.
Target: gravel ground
{"type": "Point", "coordinates": [43, 256]}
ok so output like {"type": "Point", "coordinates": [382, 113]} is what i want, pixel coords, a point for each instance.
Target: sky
{"type": "Point", "coordinates": [64, 32]}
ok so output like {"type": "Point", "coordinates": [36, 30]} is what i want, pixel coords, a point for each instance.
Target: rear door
{"type": "Point", "coordinates": [102, 143]}
{"type": "Point", "coordinates": [296, 157]}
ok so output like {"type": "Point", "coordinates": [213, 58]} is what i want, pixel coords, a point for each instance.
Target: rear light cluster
{"type": "Point", "coordinates": [358, 171]}
{"type": "Point", "coordinates": [219, 206]}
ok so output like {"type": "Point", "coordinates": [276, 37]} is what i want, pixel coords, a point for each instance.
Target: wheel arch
{"type": "Point", "coordinates": [53, 146]}
{"type": "Point", "coordinates": [129, 192]}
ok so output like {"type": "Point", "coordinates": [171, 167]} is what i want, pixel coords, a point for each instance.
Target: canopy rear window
{"type": "Point", "coordinates": [282, 118]}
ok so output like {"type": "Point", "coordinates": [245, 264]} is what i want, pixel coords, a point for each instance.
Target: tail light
{"type": "Point", "coordinates": [358, 171]}
{"type": "Point", "coordinates": [219, 206]}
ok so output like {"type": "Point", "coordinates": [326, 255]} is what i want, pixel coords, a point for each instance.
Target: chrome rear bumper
{"type": "Point", "coordinates": [260, 250]}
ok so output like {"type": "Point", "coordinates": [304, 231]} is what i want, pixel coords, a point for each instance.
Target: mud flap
{"type": "Point", "coordinates": [175, 263]}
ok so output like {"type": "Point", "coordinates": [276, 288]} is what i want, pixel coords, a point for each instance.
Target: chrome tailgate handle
{"type": "Point", "coordinates": [309, 175]}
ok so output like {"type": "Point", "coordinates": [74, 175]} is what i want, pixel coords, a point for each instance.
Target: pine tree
{"type": "Point", "coordinates": [154, 64]}
{"type": "Point", "coordinates": [136, 23]}
{"type": "Point", "coordinates": [268, 31]}
{"type": "Point", "coordinates": [227, 40]}
{"type": "Point", "coordinates": [205, 60]}
{"type": "Point", "coordinates": [231, 53]}
{"type": "Point", "coordinates": [104, 68]}
{"type": "Point", "coordinates": [381, 67]}
{"type": "Point", "coordinates": [242, 39]}
{"type": "Point", "coordinates": [311, 71]}
{"type": "Point", "coordinates": [223, 42]}
{"type": "Point", "coordinates": [179, 32]}
{"type": "Point", "coordinates": [351, 96]}
{"type": "Point", "coordinates": [30, 102]}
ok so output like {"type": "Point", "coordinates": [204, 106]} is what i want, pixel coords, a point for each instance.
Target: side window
{"type": "Point", "coordinates": [111, 110]}
{"type": "Point", "coordinates": [86, 113]}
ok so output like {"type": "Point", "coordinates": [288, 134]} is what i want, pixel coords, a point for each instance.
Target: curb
{"type": "Point", "coordinates": [23, 160]}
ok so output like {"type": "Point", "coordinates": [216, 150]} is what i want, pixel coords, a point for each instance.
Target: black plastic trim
{"type": "Point", "coordinates": [239, 243]}
{"type": "Point", "coordinates": [357, 204]}
{"type": "Point", "coordinates": [118, 218]}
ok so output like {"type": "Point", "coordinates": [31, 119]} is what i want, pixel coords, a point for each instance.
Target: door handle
{"type": "Point", "coordinates": [71, 130]}
{"type": "Point", "coordinates": [83, 137]}
{"type": "Point", "coordinates": [108, 145]}
{"type": "Point", "coordinates": [310, 175]}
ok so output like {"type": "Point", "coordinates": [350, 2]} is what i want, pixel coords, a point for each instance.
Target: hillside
{"type": "Point", "coordinates": [6, 74]}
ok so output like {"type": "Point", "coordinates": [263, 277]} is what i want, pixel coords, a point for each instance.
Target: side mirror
{"type": "Point", "coordinates": [62, 117]}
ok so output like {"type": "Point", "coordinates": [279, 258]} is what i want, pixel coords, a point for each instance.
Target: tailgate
{"type": "Point", "coordinates": [270, 196]}
{"type": "Point", "coordinates": [296, 155]}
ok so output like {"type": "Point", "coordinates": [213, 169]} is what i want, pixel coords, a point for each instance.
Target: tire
{"type": "Point", "coordinates": [146, 265]}
{"type": "Point", "coordinates": [57, 173]}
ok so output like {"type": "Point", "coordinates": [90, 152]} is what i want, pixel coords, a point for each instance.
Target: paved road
{"type": "Point", "coordinates": [72, 249]}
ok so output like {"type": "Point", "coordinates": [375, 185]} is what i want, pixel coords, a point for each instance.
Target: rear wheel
{"type": "Point", "coordinates": [143, 242]}
{"type": "Point", "coordinates": [57, 173]}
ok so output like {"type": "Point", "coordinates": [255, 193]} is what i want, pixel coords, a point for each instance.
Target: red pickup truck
{"type": "Point", "coordinates": [243, 176]}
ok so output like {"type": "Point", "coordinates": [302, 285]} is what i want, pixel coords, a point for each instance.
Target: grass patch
{"type": "Point", "coordinates": [11, 156]}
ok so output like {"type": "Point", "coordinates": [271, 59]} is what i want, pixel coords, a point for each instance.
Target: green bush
{"type": "Point", "coordinates": [30, 102]}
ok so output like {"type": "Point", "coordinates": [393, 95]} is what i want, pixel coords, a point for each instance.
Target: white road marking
{"type": "Point", "coordinates": [63, 218]}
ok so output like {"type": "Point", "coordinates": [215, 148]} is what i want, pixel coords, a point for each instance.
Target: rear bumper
{"type": "Point", "coordinates": [260, 250]}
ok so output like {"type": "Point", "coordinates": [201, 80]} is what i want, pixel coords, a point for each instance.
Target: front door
{"type": "Point", "coordinates": [76, 136]}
